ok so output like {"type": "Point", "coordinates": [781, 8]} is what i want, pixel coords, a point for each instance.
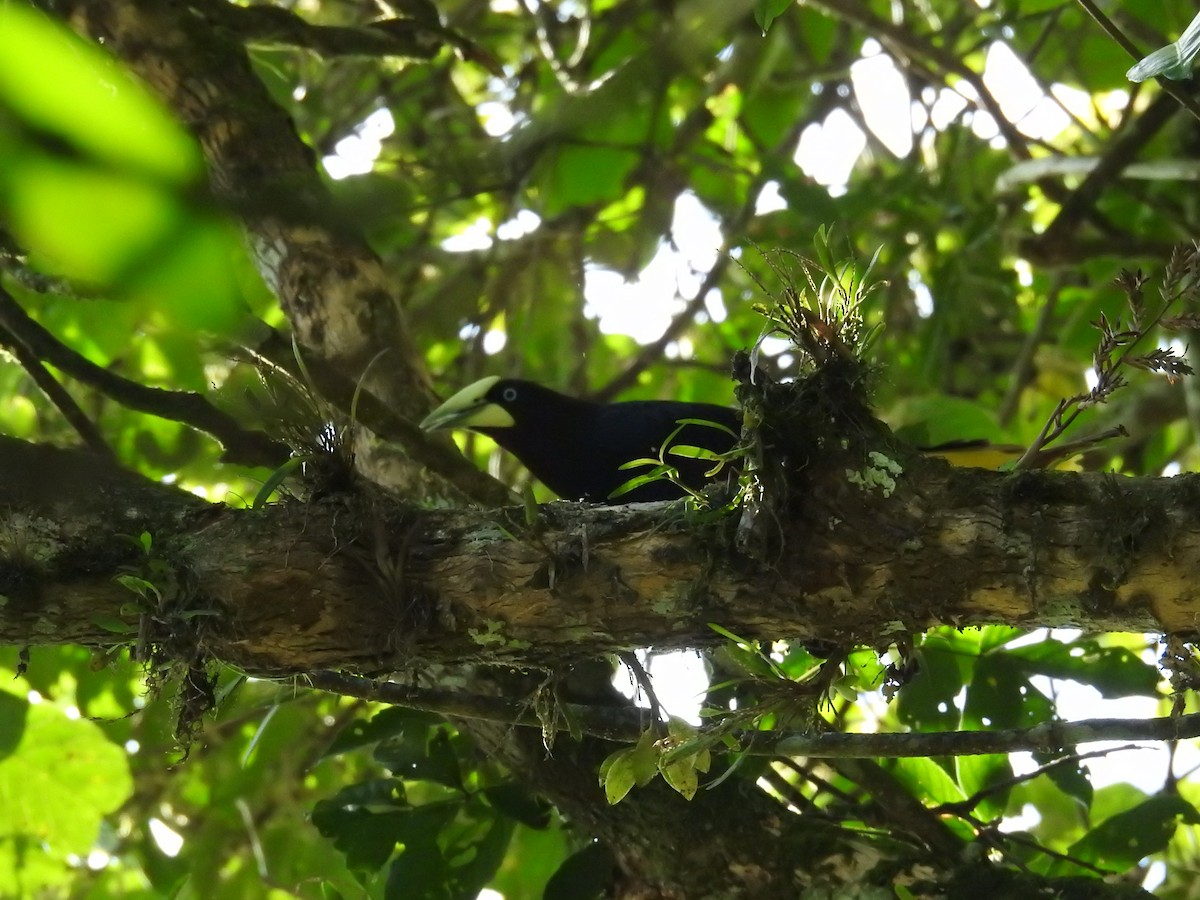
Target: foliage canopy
{"type": "Point", "coordinates": [600, 197]}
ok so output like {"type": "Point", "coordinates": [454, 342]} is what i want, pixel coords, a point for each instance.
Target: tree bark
{"type": "Point", "coordinates": [338, 298]}
{"type": "Point", "coordinates": [367, 583]}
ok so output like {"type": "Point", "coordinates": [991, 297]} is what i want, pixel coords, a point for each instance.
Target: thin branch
{"type": "Point", "coordinates": [412, 38]}
{"type": "Point", "coordinates": [241, 445]}
{"type": "Point", "coordinates": [1049, 737]}
{"type": "Point", "coordinates": [1023, 369]}
{"type": "Point", "coordinates": [1121, 153]}
{"type": "Point", "coordinates": [13, 263]}
{"type": "Point", "coordinates": [613, 723]}
{"type": "Point", "coordinates": [55, 393]}
{"type": "Point", "coordinates": [1111, 29]}
{"type": "Point", "coordinates": [642, 677]}
{"type": "Point", "coordinates": [625, 726]}
{"type": "Point", "coordinates": [965, 807]}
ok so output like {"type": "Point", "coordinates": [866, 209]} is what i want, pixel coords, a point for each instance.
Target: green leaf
{"type": "Point", "coordinates": [680, 774]}
{"type": "Point", "coordinates": [420, 872]}
{"type": "Point", "coordinates": [580, 175]}
{"type": "Point", "coordinates": [113, 625]}
{"type": "Point", "coordinates": [60, 782]}
{"type": "Point", "coordinates": [1172, 61]}
{"type": "Point", "coordinates": [139, 586]}
{"type": "Point", "coordinates": [643, 461]}
{"type": "Point", "coordinates": [932, 419]}
{"type": "Point", "coordinates": [929, 701]}
{"type": "Point", "coordinates": [1071, 777]}
{"type": "Point", "coordinates": [390, 722]}
{"type": "Point", "coordinates": [993, 636]}
{"type": "Point", "coordinates": [474, 861]}
{"type": "Point", "coordinates": [277, 477]}
{"type": "Point", "coordinates": [14, 712]}
{"type": "Point", "coordinates": [517, 803]}
{"type": "Point", "coordinates": [1122, 840]}
{"type": "Point", "coordinates": [925, 778]}
{"type": "Point", "coordinates": [90, 101]}
{"type": "Point", "coordinates": [990, 774]}
{"type": "Point", "coordinates": [656, 474]}
{"type": "Point", "coordinates": [366, 821]}
{"type": "Point", "coordinates": [1000, 696]}
{"type": "Point", "coordinates": [94, 225]}
{"type": "Point", "coordinates": [689, 451]}
{"type": "Point", "coordinates": [767, 11]}
{"type": "Point", "coordinates": [617, 775]}
{"type": "Point", "coordinates": [415, 755]}
{"type": "Point", "coordinates": [704, 423]}
{"type": "Point", "coordinates": [1113, 671]}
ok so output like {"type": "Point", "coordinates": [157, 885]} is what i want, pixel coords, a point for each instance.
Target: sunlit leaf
{"type": "Point", "coordinates": [89, 100]}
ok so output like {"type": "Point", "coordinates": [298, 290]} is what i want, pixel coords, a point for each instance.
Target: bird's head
{"type": "Point", "coordinates": [491, 402]}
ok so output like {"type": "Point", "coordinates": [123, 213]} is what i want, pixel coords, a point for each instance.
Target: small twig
{"type": "Point", "coordinates": [1117, 344]}
{"type": "Point", "coordinates": [642, 677]}
{"type": "Point", "coordinates": [1047, 737]}
{"type": "Point", "coordinates": [964, 807]}
{"type": "Point", "coordinates": [1022, 370]}
{"type": "Point", "coordinates": [990, 835]}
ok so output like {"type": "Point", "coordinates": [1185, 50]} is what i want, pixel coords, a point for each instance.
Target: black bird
{"type": "Point", "coordinates": [577, 447]}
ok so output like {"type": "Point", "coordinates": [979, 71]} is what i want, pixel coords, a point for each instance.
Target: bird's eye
{"type": "Point", "coordinates": [509, 394]}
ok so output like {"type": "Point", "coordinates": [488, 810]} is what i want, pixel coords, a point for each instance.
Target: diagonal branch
{"type": "Point", "coordinates": [275, 351]}
{"type": "Point", "coordinates": [1110, 28]}
{"type": "Point", "coordinates": [242, 446]}
{"type": "Point", "coordinates": [55, 393]}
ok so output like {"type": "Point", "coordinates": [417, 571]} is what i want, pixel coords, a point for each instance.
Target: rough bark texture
{"type": "Point", "coordinates": [364, 582]}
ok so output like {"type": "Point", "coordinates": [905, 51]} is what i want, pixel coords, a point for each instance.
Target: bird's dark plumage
{"type": "Point", "coordinates": [577, 447]}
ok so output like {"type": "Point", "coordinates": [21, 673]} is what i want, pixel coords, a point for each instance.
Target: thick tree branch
{"type": "Point", "coordinates": [363, 582]}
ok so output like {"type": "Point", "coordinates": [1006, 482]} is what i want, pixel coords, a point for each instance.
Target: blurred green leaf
{"type": "Point", "coordinates": [89, 101]}
{"type": "Point", "coordinates": [56, 787]}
